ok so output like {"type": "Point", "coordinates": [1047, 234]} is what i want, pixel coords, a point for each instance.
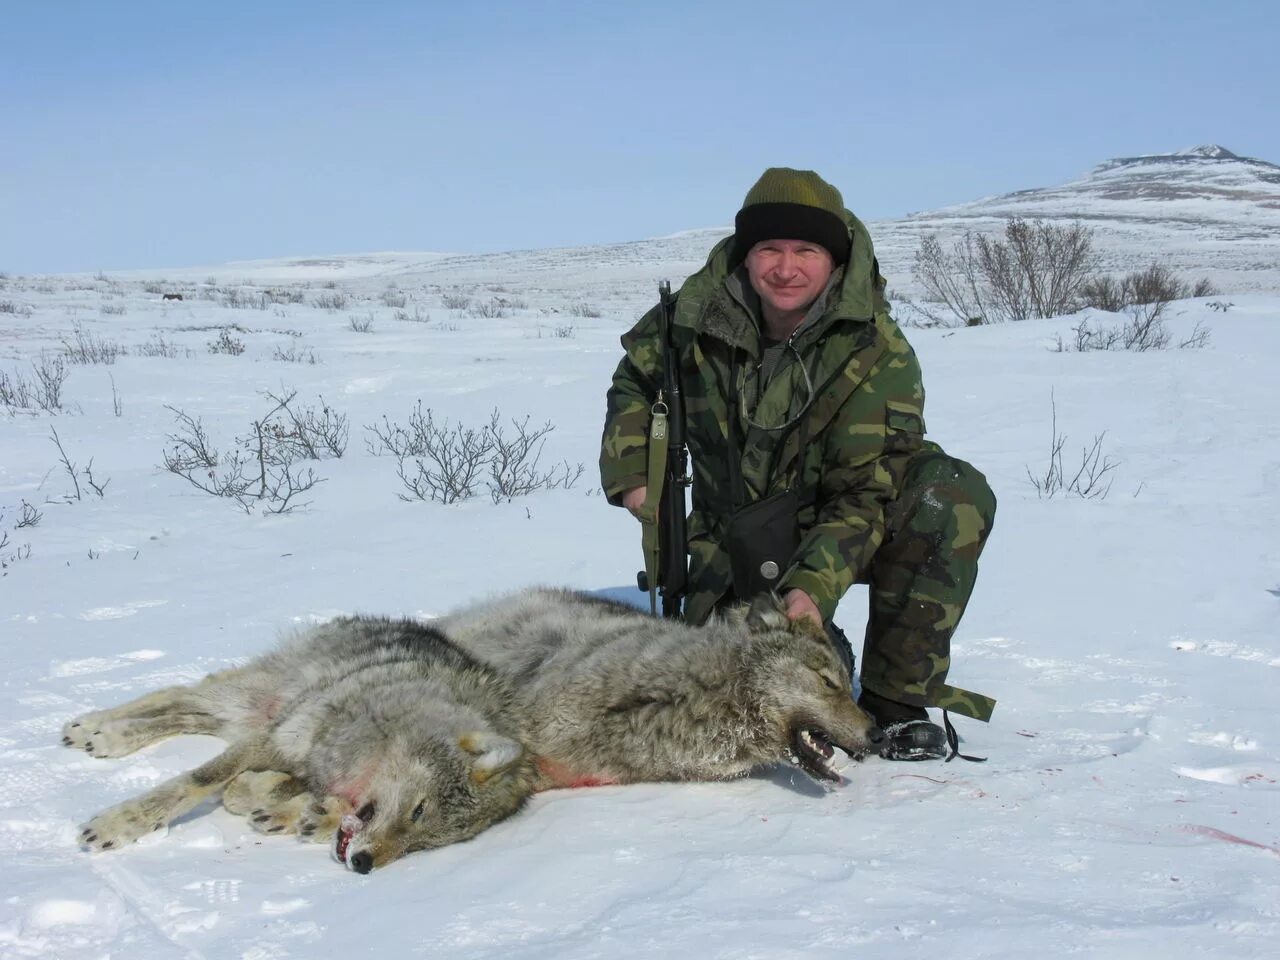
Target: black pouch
{"type": "Point", "coordinates": [761, 539]}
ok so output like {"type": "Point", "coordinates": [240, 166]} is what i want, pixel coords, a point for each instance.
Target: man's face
{"type": "Point", "coordinates": [788, 274]}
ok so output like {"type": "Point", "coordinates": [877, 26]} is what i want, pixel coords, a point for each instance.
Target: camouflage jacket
{"type": "Point", "coordinates": [864, 422]}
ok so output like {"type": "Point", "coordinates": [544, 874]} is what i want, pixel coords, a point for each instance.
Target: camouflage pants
{"type": "Point", "coordinates": [920, 581]}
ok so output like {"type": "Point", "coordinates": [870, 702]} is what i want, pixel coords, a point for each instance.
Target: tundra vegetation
{"type": "Point", "coordinates": [1036, 270]}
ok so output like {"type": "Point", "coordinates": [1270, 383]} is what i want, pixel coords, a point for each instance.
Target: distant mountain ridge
{"type": "Point", "coordinates": [1202, 211]}
{"type": "Point", "coordinates": [1208, 172]}
{"type": "Point", "coordinates": [1209, 151]}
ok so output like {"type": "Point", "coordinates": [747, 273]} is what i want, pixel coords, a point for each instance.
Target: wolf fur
{"type": "Point", "coordinates": [612, 695]}
{"type": "Point", "coordinates": [376, 734]}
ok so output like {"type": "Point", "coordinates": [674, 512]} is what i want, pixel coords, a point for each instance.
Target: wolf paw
{"type": "Point", "coordinates": [79, 733]}
{"type": "Point", "coordinates": [118, 827]}
{"type": "Point", "coordinates": [99, 737]}
{"type": "Point", "coordinates": [321, 818]}
{"type": "Point", "coordinates": [282, 817]}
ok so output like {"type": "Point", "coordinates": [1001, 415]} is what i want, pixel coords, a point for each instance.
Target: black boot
{"type": "Point", "coordinates": [909, 733]}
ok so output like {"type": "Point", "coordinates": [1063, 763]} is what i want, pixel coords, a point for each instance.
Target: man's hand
{"type": "Point", "coordinates": [799, 605]}
{"type": "Point", "coordinates": [634, 499]}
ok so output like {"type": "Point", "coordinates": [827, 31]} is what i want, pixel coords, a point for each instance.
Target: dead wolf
{"type": "Point", "coordinates": [613, 695]}
{"type": "Point", "coordinates": [377, 734]}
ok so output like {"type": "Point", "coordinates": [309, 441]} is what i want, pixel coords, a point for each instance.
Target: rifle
{"type": "Point", "coordinates": [664, 536]}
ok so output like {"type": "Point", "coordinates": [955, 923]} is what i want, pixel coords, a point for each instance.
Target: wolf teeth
{"type": "Point", "coordinates": [817, 744]}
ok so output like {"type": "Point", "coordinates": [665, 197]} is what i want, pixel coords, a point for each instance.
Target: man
{"type": "Point", "coordinates": [804, 409]}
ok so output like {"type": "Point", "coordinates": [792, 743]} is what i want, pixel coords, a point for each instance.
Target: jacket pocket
{"type": "Point", "coordinates": [903, 428]}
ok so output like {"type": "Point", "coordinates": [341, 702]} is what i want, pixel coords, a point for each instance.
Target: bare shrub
{"type": "Point", "coordinates": [1092, 479]}
{"type": "Point", "coordinates": [153, 288]}
{"type": "Point", "coordinates": [391, 297]}
{"type": "Point", "coordinates": [158, 346]}
{"type": "Point", "coordinates": [295, 354]}
{"type": "Point", "coordinates": [952, 279]}
{"type": "Point", "coordinates": [113, 309]}
{"type": "Point", "coordinates": [1103, 293]}
{"type": "Point", "coordinates": [262, 469]}
{"type": "Point", "coordinates": [1154, 284]}
{"type": "Point", "coordinates": [337, 300]}
{"type": "Point", "coordinates": [455, 300]}
{"type": "Point", "coordinates": [433, 460]}
{"type": "Point", "coordinates": [1037, 270]}
{"type": "Point", "coordinates": [304, 434]}
{"type": "Point", "coordinates": [15, 308]}
{"type": "Point", "coordinates": [226, 343]}
{"type": "Point", "coordinates": [1144, 295]}
{"type": "Point", "coordinates": [561, 331]}
{"type": "Point", "coordinates": [444, 463]}
{"type": "Point", "coordinates": [117, 404]}
{"type": "Point", "coordinates": [584, 310]}
{"type": "Point", "coordinates": [16, 392]}
{"type": "Point", "coordinates": [487, 309]}
{"type": "Point", "coordinates": [284, 296]}
{"type": "Point", "coordinates": [28, 516]}
{"type": "Point", "coordinates": [8, 557]}
{"type": "Point", "coordinates": [1091, 338]}
{"type": "Point", "coordinates": [87, 348]}
{"type": "Point", "coordinates": [514, 469]}
{"type": "Point", "coordinates": [1198, 338]}
{"type": "Point", "coordinates": [1145, 329]}
{"type": "Point", "coordinates": [234, 298]}
{"type": "Point", "coordinates": [51, 373]}
{"type": "Point", "coordinates": [361, 324]}
{"type": "Point", "coordinates": [193, 457]}
{"type": "Point", "coordinates": [44, 392]}
{"type": "Point", "coordinates": [76, 473]}
{"type": "Point", "coordinates": [418, 315]}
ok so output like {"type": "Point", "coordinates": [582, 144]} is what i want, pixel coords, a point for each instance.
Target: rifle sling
{"type": "Point", "coordinates": [650, 541]}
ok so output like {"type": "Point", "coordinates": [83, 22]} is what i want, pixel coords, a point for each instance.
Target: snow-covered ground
{"type": "Point", "coordinates": [1129, 805]}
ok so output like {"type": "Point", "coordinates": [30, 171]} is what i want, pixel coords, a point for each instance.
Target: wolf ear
{"type": "Point", "coordinates": [493, 753]}
{"type": "Point", "coordinates": [767, 613]}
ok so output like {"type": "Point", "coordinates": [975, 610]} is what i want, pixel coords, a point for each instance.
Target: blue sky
{"type": "Point", "coordinates": [146, 134]}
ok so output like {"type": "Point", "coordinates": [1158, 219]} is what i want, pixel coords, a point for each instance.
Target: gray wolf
{"type": "Point", "coordinates": [378, 735]}
{"type": "Point", "coordinates": [613, 695]}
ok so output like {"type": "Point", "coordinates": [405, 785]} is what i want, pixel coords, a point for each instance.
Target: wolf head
{"type": "Point", "coordinates": [805, 691]}
{"type": "Point", "coordinates": [443, 791]}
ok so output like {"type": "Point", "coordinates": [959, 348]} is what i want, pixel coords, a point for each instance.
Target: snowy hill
{"type": "Point", "coordinates": [1129, 804]}
{"type": "Point", "coordinates": [1202, 211]}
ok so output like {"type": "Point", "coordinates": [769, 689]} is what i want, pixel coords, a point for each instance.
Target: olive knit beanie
{"type": "Point", "coordinates": [788, 204]}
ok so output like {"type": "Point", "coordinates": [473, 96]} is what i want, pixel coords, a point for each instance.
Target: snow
{"type": "Point", "coordinates": [1203, 211]}
{"type": "Point", "coordinates": [1129, 803]}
